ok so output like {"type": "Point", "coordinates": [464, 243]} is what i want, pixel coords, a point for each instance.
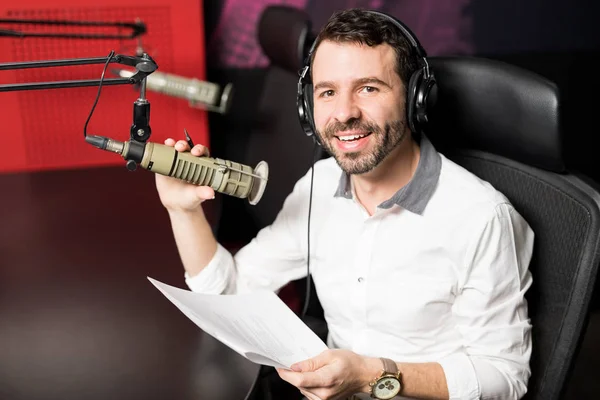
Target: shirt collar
{"type": "Point", "coordinates": [415, 195]}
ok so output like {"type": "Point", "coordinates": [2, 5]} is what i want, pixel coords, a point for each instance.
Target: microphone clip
{"type": "Point", "coordinates": [140, 130]}
{"type": "Point", "coordinates": [143, 65]}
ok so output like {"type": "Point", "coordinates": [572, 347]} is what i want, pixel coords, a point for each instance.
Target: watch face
{"type": "Point", "coordinates": [386, 388]}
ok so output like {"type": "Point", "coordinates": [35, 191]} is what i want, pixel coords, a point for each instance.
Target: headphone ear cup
{"type": "Point", "coordinates": [309, 108]}
{"type": "Point", "coordinates": [304, 112]}
{"type": "Point", "coordinates": [308, 102]}
{"type": "Point", "coordinates": [411, 99]}
{"type": "Point", "coordinates": [422, 102]}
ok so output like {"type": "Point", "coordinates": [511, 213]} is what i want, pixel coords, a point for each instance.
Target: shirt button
{"type": "Point", "coordinates": [361, 279]}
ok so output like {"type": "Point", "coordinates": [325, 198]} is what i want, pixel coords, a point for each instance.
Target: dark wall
{"type": "Point", "coordinates": [559, 40]}
{"type": "Point", "coordinates": [518, 26]}
{"type": "Point", "coordinates": [443, 26]}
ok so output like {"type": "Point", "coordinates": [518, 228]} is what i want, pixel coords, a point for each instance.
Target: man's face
{"type": "Point", "coordinates": [358, 103]}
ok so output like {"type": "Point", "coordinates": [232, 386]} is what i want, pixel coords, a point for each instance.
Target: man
{"type": "Point", "coordinates": [419, 265]}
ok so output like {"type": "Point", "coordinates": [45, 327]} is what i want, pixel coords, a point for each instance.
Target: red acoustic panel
{"type": "Point", "coordinates": [43, 129]}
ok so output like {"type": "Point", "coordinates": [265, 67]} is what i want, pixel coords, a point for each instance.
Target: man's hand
{"type": "Point", "coordinates": [333, 374]}
{"type": "Point", "coordinates": [177, 195]}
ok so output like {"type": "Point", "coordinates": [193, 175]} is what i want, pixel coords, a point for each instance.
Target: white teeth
{"type": "Point", "coordinates": [347, 138]}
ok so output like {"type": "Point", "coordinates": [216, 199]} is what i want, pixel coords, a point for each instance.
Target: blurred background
{"type": "Point", "coordinates": [79, 233]}
{"type": "Point", "coordinates": [554, 38]}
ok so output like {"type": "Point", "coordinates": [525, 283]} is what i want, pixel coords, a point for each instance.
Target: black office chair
{"type": "Point", "coordinates": [502, 123]}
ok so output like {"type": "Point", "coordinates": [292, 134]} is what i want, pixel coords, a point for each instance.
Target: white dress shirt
{"type": "Point", "coordinates": [437, 274]}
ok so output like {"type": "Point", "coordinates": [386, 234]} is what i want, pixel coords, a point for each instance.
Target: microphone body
{"type": "Point", "coordinates": [199, 94]}
{"type": "Point", "coordinates": [227, 177]}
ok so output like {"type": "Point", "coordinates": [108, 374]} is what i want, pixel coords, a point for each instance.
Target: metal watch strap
{"type": "Point", "coordinates": [389, 366]}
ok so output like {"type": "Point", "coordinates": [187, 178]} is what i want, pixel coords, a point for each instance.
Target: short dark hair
{"type": "Point", "coordinates": [359, 26]}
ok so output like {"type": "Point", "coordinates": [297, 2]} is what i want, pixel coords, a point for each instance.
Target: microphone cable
{"type": "Point", "coordinates": [110, 56]}
{"type": "Point", "coordinates": [314, 153]}
{"type": "Point", "coordinates": [265, 371]}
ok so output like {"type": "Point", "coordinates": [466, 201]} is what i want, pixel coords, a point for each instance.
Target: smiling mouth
{"type": "Point", "coordinates": [352, 138]}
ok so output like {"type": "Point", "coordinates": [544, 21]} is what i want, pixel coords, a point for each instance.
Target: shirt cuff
{"type": "Point", "coordinates": [460, 377]}
{"type": "Point", "coordinates": [216, 276]}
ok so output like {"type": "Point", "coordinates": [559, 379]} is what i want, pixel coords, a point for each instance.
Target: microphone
{"type": "Point", "coordinates": [223, 176]}
{"type": "Point", "coordinates": [200, 94]}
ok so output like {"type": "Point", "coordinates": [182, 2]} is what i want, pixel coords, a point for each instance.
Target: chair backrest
{"type": "Point", "coordinates": [503, 124]}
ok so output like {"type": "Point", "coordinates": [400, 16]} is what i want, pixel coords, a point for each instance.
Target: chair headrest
{"type": "Point", "coordinates": [285, 35]}
{"type": "Point", "coordinates": [496, 107]}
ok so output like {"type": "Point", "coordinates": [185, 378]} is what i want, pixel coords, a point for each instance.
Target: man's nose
{"type": "Point", "coordinates": [346, 108]}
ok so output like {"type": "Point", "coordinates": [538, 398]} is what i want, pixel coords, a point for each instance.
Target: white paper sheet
{"type": "Point", "coordinates": [259, 326]}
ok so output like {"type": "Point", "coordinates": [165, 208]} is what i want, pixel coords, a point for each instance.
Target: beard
{"type": "Point", "coordinates": [383, 141]}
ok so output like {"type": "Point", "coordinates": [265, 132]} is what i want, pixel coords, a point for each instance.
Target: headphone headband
{"type": "Point", "coordinates": [406, 32]}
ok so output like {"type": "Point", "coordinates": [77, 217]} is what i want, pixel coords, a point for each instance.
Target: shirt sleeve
{"type": "Point", "coordinates": [216, 276]}
{"type": "Point", "coordinates": [491, 312]}
{"type": "Point", "coordinates": [272, 259]}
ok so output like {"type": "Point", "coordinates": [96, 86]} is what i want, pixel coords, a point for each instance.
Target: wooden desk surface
{"type": "Point", "coordinates": [78, 318]}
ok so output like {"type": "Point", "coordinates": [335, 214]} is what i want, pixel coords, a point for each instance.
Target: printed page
{"type": "Point", "coordinates": [259, 326]}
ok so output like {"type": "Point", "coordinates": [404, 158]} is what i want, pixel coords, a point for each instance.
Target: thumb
{"type": "Point", "coordinates": [312, 364]}
{"type": "Point", "coordinates": [205, 192]}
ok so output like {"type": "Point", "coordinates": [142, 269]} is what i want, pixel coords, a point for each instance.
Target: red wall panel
{"type": "Point", "coordinates": [43, 129]}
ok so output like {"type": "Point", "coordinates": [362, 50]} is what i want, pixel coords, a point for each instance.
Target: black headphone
{"type": "Point", "coordinates": [420, 85]}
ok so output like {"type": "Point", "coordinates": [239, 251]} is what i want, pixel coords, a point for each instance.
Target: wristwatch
{"type": "Point", "coordinates": [388, 384]}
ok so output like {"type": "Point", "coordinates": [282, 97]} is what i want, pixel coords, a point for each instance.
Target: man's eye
{"type": "Point", "coordinates": [369, 89]}
{"type": "Point", "coordinates": [327, 93]}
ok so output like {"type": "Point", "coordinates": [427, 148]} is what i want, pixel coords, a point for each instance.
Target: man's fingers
{"type": "Point", "coordinates": [199, 150]}
{"type": "Point", "coordinates": [182, 145]}
{"type": "Point", "coordinates": [205, 192]}
{"type": "Point", "coordinates": [287, 375]}
{"type": "Point", "coordinates": [313, 364]}
{"type": "Point", "coordinates": [317, 379]}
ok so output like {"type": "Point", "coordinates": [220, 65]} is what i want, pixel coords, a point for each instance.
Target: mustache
{"type": "Point", "coordinates": [354, 124]}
